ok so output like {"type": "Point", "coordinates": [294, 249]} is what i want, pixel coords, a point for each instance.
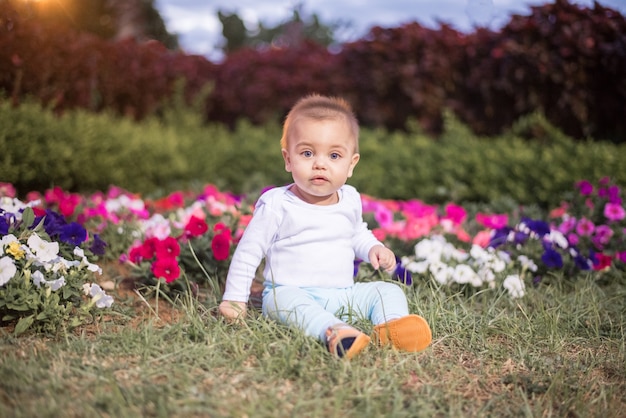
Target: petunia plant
{"type": "Point", "coordinates": [193, 242]}
{"type": "Point", "coordinates": [47, 269]}
{"type": "Point", "coordinates": [594, 220]}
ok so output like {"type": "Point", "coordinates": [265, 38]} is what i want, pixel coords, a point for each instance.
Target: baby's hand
{"type": "Point", "coordinates": [232, 311]}
{"type": "Point", "coordinates": [382, 257]}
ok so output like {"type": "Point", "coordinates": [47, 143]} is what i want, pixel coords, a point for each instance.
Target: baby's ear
{"type": "Point", "coordinates": [355, 160]}
{"type": "Point", "coordinates": [287, 160]}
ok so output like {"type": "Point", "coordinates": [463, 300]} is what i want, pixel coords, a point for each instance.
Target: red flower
{"type": "Point", "coordinates": [135, 254]}
{"type": "Point", "coordinates": [220, 246]}
{"type": "Point", "coordinates": [148, 248]}
{"type": "Point", "coordinates": [603, 262]}
{"type": "Point", "coordinates": [167, 248]}
{"type": "Point", "coordinates": [220, 228]}
{"type": "Point", "coordinates": [166, 268]}
{"type": "Point", "coordinates": [196, 227]}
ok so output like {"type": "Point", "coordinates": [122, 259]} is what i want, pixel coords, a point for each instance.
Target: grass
{"type": "Point", "coordinates": [560, 351]}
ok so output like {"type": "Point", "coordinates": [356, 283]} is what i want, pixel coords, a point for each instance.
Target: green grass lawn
{"type": "Point", "coordinates": [559, 351]}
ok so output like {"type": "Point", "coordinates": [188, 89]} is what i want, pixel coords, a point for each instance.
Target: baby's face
{"type": "Point", "coordinates": [320, 155]}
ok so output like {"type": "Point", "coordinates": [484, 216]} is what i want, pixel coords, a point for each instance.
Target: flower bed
{"type": "Point", "coordinates": [183, 242]}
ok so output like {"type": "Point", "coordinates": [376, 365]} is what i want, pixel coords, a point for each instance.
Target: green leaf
{"type": "Point", "coordinates": [28, 216]}
{"type": "Point", "coordinates": [23, 324]}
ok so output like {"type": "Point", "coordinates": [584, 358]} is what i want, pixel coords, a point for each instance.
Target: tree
{"type": "Point", "coordinates": [289, 33]}
{"type": "Point", "coordinates": [108, 19]}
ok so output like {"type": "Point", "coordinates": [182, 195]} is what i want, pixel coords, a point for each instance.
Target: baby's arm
{"type": "Point", "coordinates": [232, 310]}
{"type": "Point", "coordinates": [381, 256]}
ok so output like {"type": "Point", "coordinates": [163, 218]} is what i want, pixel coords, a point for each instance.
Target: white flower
{"type": "Point", "coordinates": [527, 263]}
{"type": "Point", "coordinates": [465, 274]}
{"type": "Point", "coordinates": [98, 296]}
{"type": "Point", "coordinates": [45, 251]}
{"type": "Point", "coordinates": [56, 284]}
{"type": "Point", "coordinates": [441, 272]}
{"type": "Point", "coordinates": [38, 278]}
{"type": "Point", "coordinates": [7, 270]}
{"type": "Point", "coordinates": [558, 238]}
{"type": "Point", "coordinates": [7, 239]}
{"type": "Point", "coordinates": [514, 285]}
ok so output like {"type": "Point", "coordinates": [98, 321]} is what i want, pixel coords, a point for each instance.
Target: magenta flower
{"type": "Point", "coordinates": [573, 239]}
{"type": "Point", "coordinates": [621, 256]}
{"type": "Point", "coordinates": [585, 227]}
{"type": "Point", "coordinates": [614, 212]}
{"type": "Point", "coordinates": [603, 234]}
{"type": "Point", "coordinates": [614, 195]}
{"type": "Point", "coordinates": [585, 187]}
{"type": "Point", "coordinates": [457, 214]}
{"type": "Point", "coordinates": [567, 225]}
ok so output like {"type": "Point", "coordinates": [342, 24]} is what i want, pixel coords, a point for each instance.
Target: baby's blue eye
{"type": "Point", "coordinates": [334, 156]}
{"type": "Point", "coordinates": [307, 153]}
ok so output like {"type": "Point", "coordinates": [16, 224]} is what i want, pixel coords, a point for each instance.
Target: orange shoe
{"type": "Point", "coordinates": [344, 341]}
{"type": "Point", "coordinates": [409, 333]}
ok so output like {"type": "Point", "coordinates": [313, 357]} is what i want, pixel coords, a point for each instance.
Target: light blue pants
{"type": "Point", "coordinates": [314, 309]}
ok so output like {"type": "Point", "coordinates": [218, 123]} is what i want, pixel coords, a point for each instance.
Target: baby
{"type": "Point", "coordinates": [310, 233]}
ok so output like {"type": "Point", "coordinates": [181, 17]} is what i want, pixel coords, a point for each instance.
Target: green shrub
{"type": "Point", "coordinates": [534, 163]}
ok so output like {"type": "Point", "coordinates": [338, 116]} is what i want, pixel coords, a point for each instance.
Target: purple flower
{"type": "Point", "coordinates": [540, 228]}
{"type": "Point", "coordinates": [53, 222]}
{"type": "Point", "coordinates": [552, 259]}
{"type": "Point", "coordinates": [98, 246]}
{"type": "Point", "coordinates": [582, 262]}
{"type": "Point", "coordinates": [401, 274]}
{"type": "Point", "coordinates": [73, 233]}
{"type": "Point", "coordinates": [621, 256]}
{"type": "Point", "coordinates": [4, 226]}
{"type": "Point", "coordinates": [499, 237]}
{"type": "Point", "coordinates": [585, 187]}
{"type": "Point", "coordinates": [357, 262]}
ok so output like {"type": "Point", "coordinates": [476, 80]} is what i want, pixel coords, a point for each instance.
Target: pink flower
{"type": "Point", "coordinates": [383, 216]}
{"type": "Point", "coordinates": [585, 227]}
{"type": "Point", "coordinates": [417, 228]}
{"type": "Point", "coordinates": [621, 256]}
{"type": "Point", "coordinates": [7, 189]}
{"type": "Point", "coordinates": [492, 221]}
{"type": "Point", "coordinates": [379, 233]}
{"type": "Point", "coordinates": [567, 225]}
{"type": "Point", "coordinates": [482, 238]}
{"type": "Point", "coordinates": [614, 212]}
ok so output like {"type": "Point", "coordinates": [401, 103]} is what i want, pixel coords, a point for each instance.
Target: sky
{"type": "Point", "coordinates": [199, 30]}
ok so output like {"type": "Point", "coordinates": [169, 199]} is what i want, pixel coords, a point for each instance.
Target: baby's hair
{"type": "Point", "coordinates": [319, 107]}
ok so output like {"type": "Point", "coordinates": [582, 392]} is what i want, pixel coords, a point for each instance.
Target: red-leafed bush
{"type": "Point", "coordinates": [566, 61]}
{"type": "Point", "coordinates": [262, 85]}
{"type": "Point", "coordinates": [401, 73]}
{"type": "Point", "coordinates": [563, 60]}
{"type": "Point", "coordinates": [67, 69]}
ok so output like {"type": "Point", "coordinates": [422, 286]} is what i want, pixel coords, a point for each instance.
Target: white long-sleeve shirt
{"type": "Point", "coordinates": [303, 245]}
